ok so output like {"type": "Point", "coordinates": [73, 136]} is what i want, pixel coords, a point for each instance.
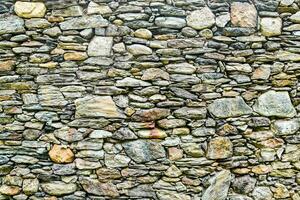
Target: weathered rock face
{"type": "Point", "coordinates": [219, 185]}
{"type": "Point", "coordinates": [30, 9]}
{"type": "Point", "coordinates": [274, 103]}
{"type": "Point", "coordinates": [219, 148]}
{"type": "Point", "coordinates": [144, 151]}
{"type": "Point", "coordinates": [96, 106]}
{"type": "Point", "coordinates": [229, 107]}
{"type": "Point", "coordinates": [166, 100]}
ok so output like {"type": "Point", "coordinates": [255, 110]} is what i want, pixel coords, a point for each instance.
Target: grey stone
{"type": "Point", "coordinates": [131, 82]}
{"type": "Point", "coordinates": [11, 24]}
{"type": "Point", "coordinates": [229, 107]}
{"type": "Point", "coordinates": [244, 184]}
{"type": "Point", "coordinates": [262, 193]}
{"type": "Point", "coordinates": [286, 127]}
{"type": "Point", "coordinates": [100, 46]}
{"type": "Point", "coordinates": [219, 185]}
{"type": "Point", "coordinates": [138, 49]}
{"type": "Point", "coordinates": [95, 187]}
{"type": "Point", "coordinates": [190, 113]}
{"type": "Point", "coordinates": [170, 22]}
{"type": "Point", "coordinates": [274, 103]}
{"type": "Point", "coordinates": [93, 21]}
{"type": "Point", "coordinates": [201, 19]}
{"type": "Point", "coordinates": [58, 188]}
{"type": "Point", "coordinates": [142, 151]}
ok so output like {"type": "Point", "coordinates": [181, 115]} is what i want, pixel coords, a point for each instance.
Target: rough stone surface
{"type": "Point", "coordinates": [274, 103]}
{"type": "Point", "coordinates": [156, 100]}
{"type": "Point", "coordinates": [229, 107]}
{"type": "Point", "coordinates": [100, 46]}
{"type": "Point", "coordinates": [219, 185]}
{"type": "Point", "coordinates": [200, 19]}
{"type": "Point", "coordinates": [243, 14]}
{"type": "Point", "coordinates": [30, 9]}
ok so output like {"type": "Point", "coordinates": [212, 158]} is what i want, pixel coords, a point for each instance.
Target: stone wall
{"type": "Point", "coordinates": [160, 99]}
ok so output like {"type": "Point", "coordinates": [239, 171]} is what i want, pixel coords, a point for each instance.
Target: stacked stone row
{"type": "Point", "coordinates": [168, 100]}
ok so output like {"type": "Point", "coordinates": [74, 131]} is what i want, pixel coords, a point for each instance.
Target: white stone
{"type": "Point", "coordinates": [100, 46]}
{"type": "Point", "coordinates": [271, 26]}
{"type": "Point", "coordinates": [201, 19]}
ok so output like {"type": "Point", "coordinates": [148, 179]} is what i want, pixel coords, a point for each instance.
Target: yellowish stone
{"type": "Point", "coordinates": [9, 190]}
{"type": "Point", "coordinates": [30, 9]}
{"type": "Point", "coordinates": [60, 154]}
{"type": "Point", "coordinates": [6, 65]}
{"type": "Point", "coordinates": [75, 56]}
{"type": "Point", "coordinates": [261, 169]}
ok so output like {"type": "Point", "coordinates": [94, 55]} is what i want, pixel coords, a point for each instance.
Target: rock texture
{"type": "Point", "coordinates": [149, 100]}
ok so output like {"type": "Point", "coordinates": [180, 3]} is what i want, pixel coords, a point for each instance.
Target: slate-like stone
{"type": "Point", "coordinates": [219, 185]}
{"type": "Point", "coordinates": [229, 107]}
{"type": "Point", "coordinates": [93, 21]}
{"type": "Point", "coordinates": [100, 46]}
{"type": "Point", "coordinates": [96, 106]}
{"type": "Point", "coordinates": [142, 151]}
{"type": "Point", "coordinates": [277, 104]}
{"type": "Point", "coordinates": [11, 24]}
{"type": "Point", "coordinates": [170, 22]}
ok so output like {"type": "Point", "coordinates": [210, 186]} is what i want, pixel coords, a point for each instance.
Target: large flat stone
{"type": "Point", "coordinates": [201, 19]}
{"type": "Point", "coordinates": [30, 9]}
{"type": "Point", "coordinates": [275, 104]}
{"type": "Point", "coordinates": [96, 106]}
{"type": "Point", "coordinates": [58, 188]}
{"type": "Point", "coordinates": [11, 24]}
{"type": "Point", "coordinates": [142, 151]}
{"type": "Point", "coordinates": [100, 46]}
{"type": "Point", "coordinates": [94, 21]}
{"type": "Point", "coordinates": [219, 185]}
{"type": "Point", "coordinates": [229, 107]}
{"type": "Point", "coordinates": [243, 14]}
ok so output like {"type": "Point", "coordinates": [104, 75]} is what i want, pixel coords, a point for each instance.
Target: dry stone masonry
{"type": "Point", "coordinates": [150, 99]}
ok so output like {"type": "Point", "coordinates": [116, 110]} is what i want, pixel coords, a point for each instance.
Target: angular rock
{"type": "Point", "coordinates": [71, 11]}
{"type": "Point", "coordinates": [277, 104]}
{"type": "Point", "coordinates": [115, 161]}
{"type": "Point", "coordinates": [271, 26]}
{"type": "Point", "coordinates": [100, 46]}
{"type": "Point", "coordinates": [286, 127]}
{"type": "Point", "coordinates": [11, 24]}
{"type": "Point", "coordinates": [219, 185]}
{"type": "Point", "coordinates": [229, 107]}
{"type": "Point", "coordinates": [243, 14]}
{"type": "Point", "coordinates": [96, 106]}
{"type": "Point", "coordinates": [142, 151]}
{"type": "Point", "coordinates": [30, 186]}
{"type": "Point", "coordinates": [95, 187]}
{"type": "Point", "coordinates": [170, 22]}
{"type": "Point", "coordinates": [60, 154]}
{"type": "Point", "coordinates": [85, 22]}
{"type": "Point", "coordinates": [30, 9]}
{"type": "Point", "coordinates": [295, 17]}
{"type": "Point", "coordinates": [124, 134]}
{"type": "Point", "coordinates": [262, 193]}
{"type": "Point", "coordinates": [75, 56]}
{"type": "Point", "coordinates": [244, 184]}
{"type": "Point", "coordinates": [58, 188]}
{"type": "Point", "coordinates": [51, 96]}
{"type": "Point", "coordinates": [219, 148]}
{"type": "Point", "coordinates": [201, 19]}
